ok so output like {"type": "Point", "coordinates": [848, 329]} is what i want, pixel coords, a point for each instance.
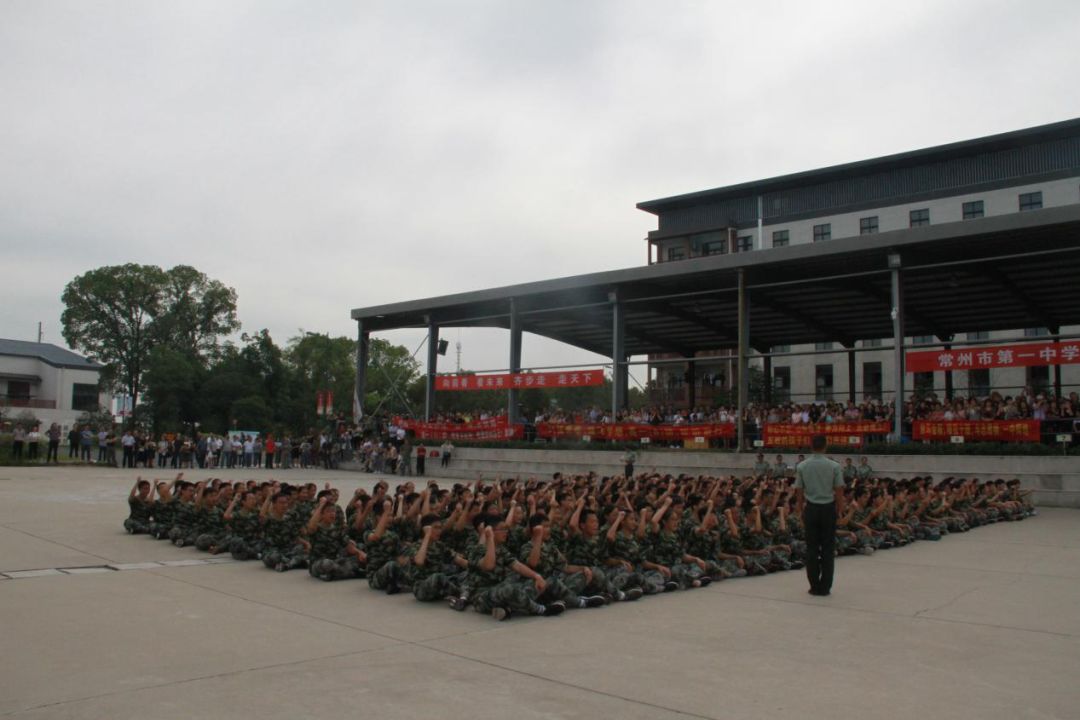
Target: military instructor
{"type": "Point", "coordinates": [819, 487]}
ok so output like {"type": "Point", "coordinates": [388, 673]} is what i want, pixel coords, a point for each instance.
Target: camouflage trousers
{"type": "Point", "coordinates": [515, 594]}
{"type": "Point", "coordinates": [757, 564]}
{"type": "Point", "coordinates": [437, 586]}
{"type": "Point", "coordinates": [182, 535]}
{"type": "Point", "coordinates": [205, 541]}
{"type": "Point", "coordinates": [137, 527]}
{"type": "Point", "coordinates": [724, 569]}
{"type": "Point", "coordinates": [159, 530]}
{"type": "Point", "coordinates": [243, 548]}
{"type": "Point", "coordinates": [290, 559]}
{"type": "Point", "coordinates": [391, 576]}
{"type": "Point", "coordinates": [599, 585]}
{"type": "Point", "coordinates": [650, 581]}
{"type": "Point", "coordinates": [328, 569]}
{"type": "Point", "coordinates": [686, 573]}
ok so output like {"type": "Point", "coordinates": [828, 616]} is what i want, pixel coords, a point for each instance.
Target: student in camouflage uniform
{"type": "Point", "coordinates": [626, 557]}
{"type": "Point", "coordinates": [331, 554]}
{"type": "Point", "coordinates": [384, 553]}
{"type": "Point", "coordinates": [242, 536]}
{"type": "Point", "coordinates": [493, 582]}
{"type": "Point", "coordinates": [282, 550]}
{"type": "Point", "coordinates": [436, 572]}
{"type": "Point", "coordinates": [542, 556]}
{"type": "Point", "coordinates": [586, 549]}
{"type": "Point", "coordinates": [210, 520]}
{"type": "Point", "coordinates": [184, 531]}
{"type": "Point", "coordinates": [140, 508]}
{"type": "Point", "coordinates": [664, 551]}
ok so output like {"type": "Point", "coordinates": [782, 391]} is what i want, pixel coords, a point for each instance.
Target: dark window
{"type": "Point", "coordinates": [871, 343]}
{"type": "Point", "coordinates": [979, 383]}
{"type": "Point", "coordinates": [1030, 201]}
{"type": "Point", "coordinates": [923, 339]}
{"type": "Point", "coordinates": [823, 346]}
{"type": "Point", "coordinates": [868, 225]}
{"type": "Point", "coordinates": [780, 238]}
{"type": "Point", "coordinates": [714, 247]}
{"type": "Point", "coordinates": [18, 390]}
{"type": "Point", "coordinates": [982, 335]}
{"type": "Point", "coordinates": [780, 348]}
{"type": "Point", "coordinates": [1038, 378]}
{"type": "Point", "coordinates": [781, 383]}
{"type": "Point", "coordinates": [746, 243]}
{"type": "Point", "coordinates": [920, 217]}
{"type": "Point", "coordinates": [973, 209]}
{"type": "Point", "coordinates": [823, 382]}
{"type": "Point", "coordinates": [924, 383]}
{"type": "Point", "coordinates": [676, 253]}
{"type": "Point", "coordinates": [822, 232]}
{"type": "Point", "coordinates": [1036, 332]}
{"type": "Point", "coordinates": [871, 380]}
{"type": "Point", "coordinates": [84, 397]}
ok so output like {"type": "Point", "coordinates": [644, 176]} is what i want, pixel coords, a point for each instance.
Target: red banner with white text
{"type": "Point", "coordinates": [497, 428]}
{"type": "Point", "coordinates": [997, 356]}
{"type": "Point", "coordinates": [977, 430]}
{"type": "Point", "coordinates": [634, 431]}
{"type": "Point", "coordinates": [843, 433]}
{"type": "Point", "coordinates": [520, 381]}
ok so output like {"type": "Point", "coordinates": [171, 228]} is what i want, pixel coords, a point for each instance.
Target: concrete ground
{"type": "Point", "coordinates": [981, 625]}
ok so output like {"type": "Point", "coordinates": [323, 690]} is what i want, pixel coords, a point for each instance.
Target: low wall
{"type": "Point", "coordinates": [1056, 480]}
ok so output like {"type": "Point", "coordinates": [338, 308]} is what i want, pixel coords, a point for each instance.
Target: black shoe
{"type": "Point", "coordinates": [704, 580]}
{"type": "Point", "coordinates": [392, 589]}
{"type": "Point", "coordinates": [671, 585]}
{"type": "Point", "coordinates": [594, 601]}
{"type": "Point", "coordinates": [634, 594]}
{"type": "Point", "coordinates": [818, 593]}
{"type": "Point", "coordinates": [556, 608]}
{"type": "Point", "coordinates": [457, 603]}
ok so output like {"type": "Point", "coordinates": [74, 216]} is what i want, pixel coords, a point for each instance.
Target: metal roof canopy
{"type": "Point", "coordinates": [996, 273]}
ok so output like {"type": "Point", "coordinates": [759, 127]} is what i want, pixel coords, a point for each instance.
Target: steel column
{"type": "Point", "coordinates": [619, 370]}
{"type": "Point", "coordinates": [743, 360]}
{"type": "Point", "coordinates": [851, 374]}
{"type": "Point", "coordinates": [898, 343]}
{"type": "Point", "coordinates": [432, 368]}
{"type": "Point", "coordinates": [767, 363]}
{"type": "Point", "coordinates": [515, 362]}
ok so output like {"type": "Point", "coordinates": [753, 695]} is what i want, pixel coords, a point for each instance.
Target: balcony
{"type": "Point", "coordinates": [25, 402]}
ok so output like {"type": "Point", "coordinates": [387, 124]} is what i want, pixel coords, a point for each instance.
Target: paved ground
{"type": "Point", "coordinates": [981, 625]}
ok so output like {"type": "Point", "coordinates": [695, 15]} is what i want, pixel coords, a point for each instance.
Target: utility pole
{"type": "Point", "coordinates": [457, 346]}
{"type": "Point", "coordinates": [40, 334]}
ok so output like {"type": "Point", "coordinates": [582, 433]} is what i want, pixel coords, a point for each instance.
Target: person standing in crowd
{"type": "Point", "coordinates": [110, 448]}
{"type": "Point", "coordinates": [447, 450]}
{"type": "Point", "coordinates": [406, 456]}
{"type": "Point", "coordinates": [53, 453]}
{"type": "Point", "coordinates": [86, 441]}
{"type": "Point", "coordinates": [421, 459]}
{"type": "Point", "coordinates": [629, 458]}
{"type": "Point", "coordinates": [128, 443]}
{"type": "Point", "coordinates": [286, 453]}
{"type": "Point", "coordinates": [270, 448]}
{"type": "Point", "coordinates": [33, 439]}
{"type": "Point", "coordinates": [18, 439]}
{"type": "Point", "coordinates": [819, 486]}
{"type": "Point", "coordinates": [73, 442]}
{"type": "Point", "coordinates": [103, 446]}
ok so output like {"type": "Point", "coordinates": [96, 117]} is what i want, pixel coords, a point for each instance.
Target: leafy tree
{"type": "Point", "coordinates": [117, 314]}
{"type": "Point", "coordinates": [173, 387]}
{"type": "Point", "coordinates": [251, 413]}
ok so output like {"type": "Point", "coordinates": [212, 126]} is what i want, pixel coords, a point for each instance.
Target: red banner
{"type": "Point", "coordinates": [842, 433]}
{"type": "Point", "coordinates": [977, 430]}
{"type": "Point", "coordinates": [997, 356]}
{"type": "Point", "coordinates": [497, 428]}
{"type": "Point", "coordinates": [521, 381]}
{"type": "Point", "coordinates": [634, 431]}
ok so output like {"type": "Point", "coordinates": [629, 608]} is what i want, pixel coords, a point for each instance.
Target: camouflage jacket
{"type": "Point", "coordinates": [551, 559]}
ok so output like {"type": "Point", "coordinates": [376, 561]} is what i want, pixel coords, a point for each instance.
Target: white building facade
{"type": "Point", "coordinates": [1023, 171]}
{"type": "Point", "coordinates": [47, 381]}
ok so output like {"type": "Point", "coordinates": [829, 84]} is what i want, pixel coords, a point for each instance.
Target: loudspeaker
{"type": "Point", "coordinates": [443, 345]}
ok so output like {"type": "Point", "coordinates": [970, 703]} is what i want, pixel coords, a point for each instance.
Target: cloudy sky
{"type": "Point", "coordinates": [320, 156]}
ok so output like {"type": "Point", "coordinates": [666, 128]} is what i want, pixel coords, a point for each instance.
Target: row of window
{"type": "Point", "coordinates": [915, 340]}
{"type": "Point", "coordinates": [716, 242]}
{"type": "Point", "coordinates": [916, 218]}
{"type": "Point", "coordinates": [978, 381]}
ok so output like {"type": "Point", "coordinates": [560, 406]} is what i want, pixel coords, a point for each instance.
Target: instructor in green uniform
{"type": "Point", "coordinates": [819, 487]}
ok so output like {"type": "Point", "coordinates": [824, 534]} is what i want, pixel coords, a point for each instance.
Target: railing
{"type": "Point", "coordinates": [23, 402]}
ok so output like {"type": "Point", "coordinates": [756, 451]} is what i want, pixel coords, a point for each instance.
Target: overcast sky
{"type": "Point", "coordinates": [320, 156]}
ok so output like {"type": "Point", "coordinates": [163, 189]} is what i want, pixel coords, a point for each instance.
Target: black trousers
{"type": "Point", "coordinates": [820, 524]}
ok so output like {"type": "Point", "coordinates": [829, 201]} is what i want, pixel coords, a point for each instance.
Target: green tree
{"type": "Point", "coordinates": [173, 388]}
{"type": "Point", "coordinates": [117, 314]}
